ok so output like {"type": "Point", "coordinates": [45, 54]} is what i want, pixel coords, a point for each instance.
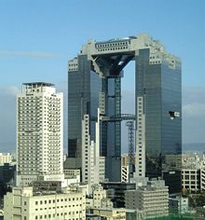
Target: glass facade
{"type": "Point", "coordinates": [96, 83]}
{"type": "Point", "coordinates": [78, 105]}
{"type": "Point", "coordinates": [85, 89]}
{"type": "Point", "coordinates": [160, 87]}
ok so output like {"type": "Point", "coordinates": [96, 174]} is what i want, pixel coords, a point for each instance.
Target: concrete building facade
{"type": "Point", "coordinates": [5, 158]}
{"type": "Point", "coordinates": [203, 178]}
{"type": "Point", "coordinates": [99, 198]}
{"type": "Point", "coordinates": [93, 165]}
{"type": "Point", "coordinates": [193, 179]}
{"type": "Point", "coordinates": [72, 174]}
{"type": "Point", "coordinates": [39, 133]}
{"type": "Point", "coordinates": [152, 199]}
{"type": "Point", "coordinates": [25, 204]}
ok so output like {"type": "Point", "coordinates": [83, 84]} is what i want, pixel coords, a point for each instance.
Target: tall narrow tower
{"type": "Point", "coordinates": [39, 133]}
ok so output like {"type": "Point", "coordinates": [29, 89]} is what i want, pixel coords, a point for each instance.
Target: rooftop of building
{"type": "Point", "coordinates": [37, 84]}
{"type": "Point", "coordinates": [109, 209]}
{"type": "Point", "coordinates": [116, 183]}
{"type": "Point", "coordinates": [30, 192]}
{"type": "Point", "coordinates": [131, 43]}
{"type": "Point", "coordinates": [149, 188]}
{"type": "Point", "coordinates": [47, 193]}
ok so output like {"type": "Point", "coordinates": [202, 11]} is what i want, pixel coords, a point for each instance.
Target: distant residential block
{"type": "Point", "coordinates": [5, 158]}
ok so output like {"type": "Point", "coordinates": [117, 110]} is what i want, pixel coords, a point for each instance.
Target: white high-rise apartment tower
{"type": "Point", "coordinates": [39, 133]}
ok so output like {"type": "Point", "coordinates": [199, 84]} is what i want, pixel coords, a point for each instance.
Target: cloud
{"type": "Point", "coordinates": [29, 54]}
{"type": "Point", "coordinates": [194, 110]}
{"type": "Point", "coordinates": [8, 91]}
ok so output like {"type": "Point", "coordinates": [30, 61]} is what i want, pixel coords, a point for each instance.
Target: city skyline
{"type": "Point", "coordinates": [102, 109]}
{"type": "Point", "coordinates": [32, 49]}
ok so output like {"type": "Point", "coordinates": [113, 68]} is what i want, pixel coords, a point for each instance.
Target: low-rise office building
{"type": "Point", "coordinates": [28, 204]}
{"type": "Point", "coordinates": [152, 199]}
{"type": "Point", "coordinates": [98, 199]}
{"type": "Point", "coordinates": [71, 173]}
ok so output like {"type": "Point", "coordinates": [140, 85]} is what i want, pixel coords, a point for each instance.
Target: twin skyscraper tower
{"type": "Point", "coordinates": [94, 116]}
{"type": "Point", "coordinates": [94, 109]}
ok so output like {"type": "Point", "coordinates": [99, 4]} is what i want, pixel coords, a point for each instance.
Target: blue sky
{"type": "Point", "coordinates": [38, 37]}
